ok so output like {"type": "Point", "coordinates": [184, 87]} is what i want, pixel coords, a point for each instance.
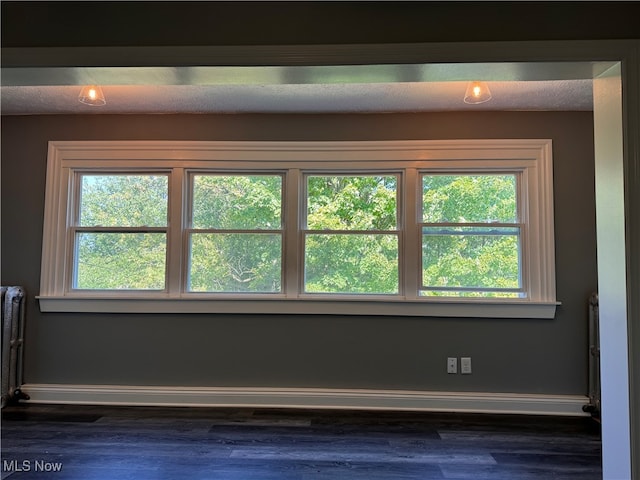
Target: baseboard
{"type": "Point", "coordinates": [512, 403]}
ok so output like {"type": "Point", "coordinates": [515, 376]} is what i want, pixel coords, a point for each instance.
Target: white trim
{"type": "Point", "coordinates": [531, 156]}
{"type": "Point", "coordinates": [263, 397]}
{"type": "Point", "coordinates": [466, 308]}
{"type": "Point", "coordinates": [611, 219]}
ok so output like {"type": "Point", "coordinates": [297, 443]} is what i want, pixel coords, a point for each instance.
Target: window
{"type": "Point", "coordinates": [235, 235]}
{"type": "Point", "coordinates": [120, 232]}
{"type": "Point", "coordinates": [450, 228]}
{"type": "Point", "coordinates": [351, 234]}
{"type": "Point", "coordinates": [471, 235]}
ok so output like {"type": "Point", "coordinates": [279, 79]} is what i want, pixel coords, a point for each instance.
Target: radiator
{"type": "Point", "coordinates": [594, 357]}
{"type": "Point", "coordinates": [13, 315]}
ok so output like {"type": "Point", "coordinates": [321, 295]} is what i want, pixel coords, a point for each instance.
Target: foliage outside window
{"type": "Point", "coordinates": [351, 236]}
{"type": "Point", "coordinates": [471, 236]}
{"type": "Point", "coordinates": [121, 233]}
{"type": "Point", "coordinates": [238, 223]}
{"type": "Point", "coordinates": [235, 239]}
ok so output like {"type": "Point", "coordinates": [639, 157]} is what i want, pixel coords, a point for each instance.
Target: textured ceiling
{"type": "Point", "coordinates": [299, 98]}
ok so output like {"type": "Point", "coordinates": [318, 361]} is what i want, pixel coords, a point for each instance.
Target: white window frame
{"type": "Point", "coordinates": [189, 230]}
{"type": "Point", "coordinates": [531, 158]}
{"type": "Point", "coordinates": [306, 231]}
{"type": "Point", "coordinates": [521, 209]}
{"type": "Point", "coordinates": [75, 226]}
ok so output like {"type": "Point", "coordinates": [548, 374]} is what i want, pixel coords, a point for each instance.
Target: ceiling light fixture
{"type": "Point", "coordinates": [92, 95]}
{"type": "Point", "coordinates": [477, 92]}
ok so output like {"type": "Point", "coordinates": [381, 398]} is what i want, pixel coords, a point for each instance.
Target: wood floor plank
{"type": "Point", "coordinates": [551, 461]}
{"type": "Point", "coordinates": [354, 455]}
{"type": "Point", "coordinates": [510, 472]}
{"type": "Point", "coordinates": [107, 443]}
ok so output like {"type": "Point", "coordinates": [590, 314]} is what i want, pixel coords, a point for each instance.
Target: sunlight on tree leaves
{"type": "Point", "coordinates": [351, 203]}
{"type": "Point", "coordinates": [124, 200]}
{"type": "Point", "coordinates": [349, 239]}
{"type": "Point", "coordinates": [235, 262]}
{"type": "Point", "coordinates": [364, 263]}
{"type": "Point", "coordinates": [469, 198]}
{"type": "Point", "coordinates": [237, 201]}
{"type": "Point", "coordinates": [468, 257]}
{"type": "Point", "coordinates": [134, 261]}
{"type": "Point", "coordinates": [358, 263]}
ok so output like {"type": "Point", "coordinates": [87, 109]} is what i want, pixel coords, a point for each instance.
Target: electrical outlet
{"type": "Point", "coordinates": [452, 365]}
{"type": "Point", "coordinates": [465, 365]}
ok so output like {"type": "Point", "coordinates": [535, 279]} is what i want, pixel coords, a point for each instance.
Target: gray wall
{"type": "Point", "coordinates": [533, 356]}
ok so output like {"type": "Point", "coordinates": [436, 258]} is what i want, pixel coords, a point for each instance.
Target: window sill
{"type": "Point", "coordinates": [467, 308]}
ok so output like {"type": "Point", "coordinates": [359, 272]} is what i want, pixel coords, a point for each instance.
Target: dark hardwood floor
{"type": "Point", "coordinates": [121, 443]}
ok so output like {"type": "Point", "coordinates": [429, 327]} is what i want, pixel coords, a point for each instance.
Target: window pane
{"type": "Point", "coordinates": [235, 262]}
{"type": "Point", "coordinates": [237, 201]}
{"type": "Point", "coordinates": [471, 257]}
{"type": "Point", "coordinates": [352, 203]}
{"type": "Point", "coordinates": [123, 200]}
{"type": "Point", "coordinates": [469, 198]}
{"type": "Point", "coordinates": [120, 261]}
{"type": "Point", "coordinates": [357, 263]}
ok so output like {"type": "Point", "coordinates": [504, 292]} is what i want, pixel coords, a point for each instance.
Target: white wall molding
{"type": "Point", "coordinates": [262, 397]}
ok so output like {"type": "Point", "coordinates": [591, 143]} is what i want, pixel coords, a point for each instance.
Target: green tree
{"type": "Point", "coordinates": [121, 261]}
{"type": "Point", "coordinates": [123, 200]}
{"type": "Point", "coordinates": [351, 242]}
{"type": "Point", "coordinates": [455, 255]}
{"type": "Point", "coordinates": [238, 247]}
{"type": "Point", "coordinates": [111, 259]}
{"type": "Point", "coordinates": [360, 261]}
{"type": "Point", "coordinates": [469, 198]}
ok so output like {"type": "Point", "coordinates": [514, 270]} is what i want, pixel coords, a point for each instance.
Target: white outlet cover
{"type": "Point", "coordinates": [465, 365]}
{"type": "Point", "coordinates": [452, 365]}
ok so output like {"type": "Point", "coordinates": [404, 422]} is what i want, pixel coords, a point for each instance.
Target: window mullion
{"type": "Point", "coordinates": [175, 239]}
{"type": "Point", "coordinates": [73, 221]}
{"type": "Point", "coordinates": [292, 241]}
{"type": "Point", "coordinates": [524, 217]}
{"type": "Point", "coordinates": [410, 255]}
